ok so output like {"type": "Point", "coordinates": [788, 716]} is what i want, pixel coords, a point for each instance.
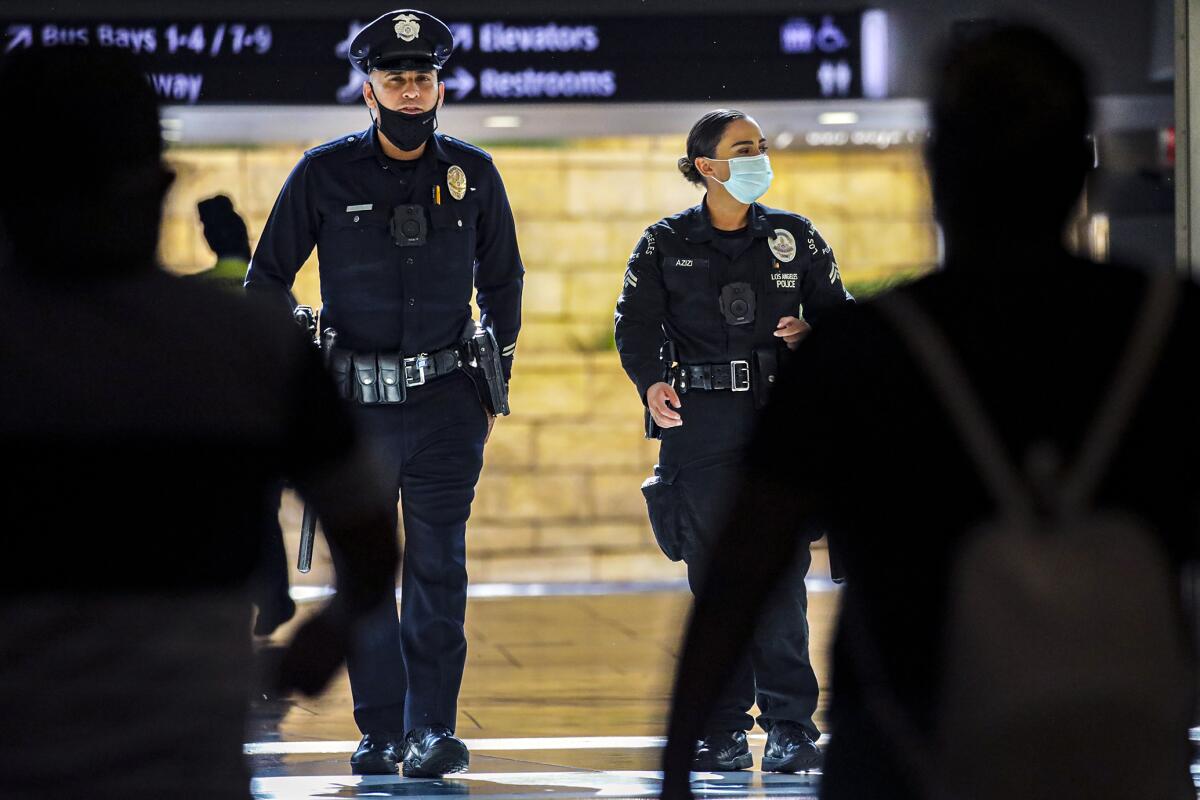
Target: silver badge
{"type": "Point", "coordinates": [783, 245]}
{"type": "Point", "coordinates": [408, 27]}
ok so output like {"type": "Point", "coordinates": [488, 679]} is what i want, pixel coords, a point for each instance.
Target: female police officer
{"type": "Point", "coordinates": [713, 298]}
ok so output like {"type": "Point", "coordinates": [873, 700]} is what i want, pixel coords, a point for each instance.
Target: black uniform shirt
{"type": "Point", "coordinates": [674, 278]}
{"type": "Point", "coordinates": [380, 296]}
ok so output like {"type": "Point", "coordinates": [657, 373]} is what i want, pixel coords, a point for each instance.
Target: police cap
{"type": "Point", "coordinates": [402, 39]}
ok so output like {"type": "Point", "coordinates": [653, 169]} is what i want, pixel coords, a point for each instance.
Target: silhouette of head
{"type": "Point", "coordinates": [1008, 152]}
{"type": "Point", "coordinates": [81, 156]}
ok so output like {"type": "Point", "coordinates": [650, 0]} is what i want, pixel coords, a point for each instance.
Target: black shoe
{"type": "Point", "coordinates": [726, 751]}
{"type": "Point", "coordinates": [434, 752]}
{"type": "Point", "coordinates": [790, 749]}
{"type": "Point", "coordinates": [376, 755]}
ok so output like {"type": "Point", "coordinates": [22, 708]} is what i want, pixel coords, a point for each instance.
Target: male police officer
{"type": "Point", "coordinates": [404, 220]}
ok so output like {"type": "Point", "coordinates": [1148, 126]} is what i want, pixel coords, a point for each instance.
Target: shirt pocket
{"type": "Point", "coordinates": [356, 239]}
{"type": "Point", "coordinates": [451, 243]}
{"type": "Point", "coordinates": [689, 284]}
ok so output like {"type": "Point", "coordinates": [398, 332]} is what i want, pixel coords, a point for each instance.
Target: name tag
{"type": "Point", "coordinates": [363, 207]}
{"type": "Point", "coordinates": [690, 263]}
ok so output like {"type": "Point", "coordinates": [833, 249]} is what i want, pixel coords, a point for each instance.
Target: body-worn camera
{"type": "Point", "coordinates": [408, 226]}
{"type": "Point", "coordinates": [737, 303]}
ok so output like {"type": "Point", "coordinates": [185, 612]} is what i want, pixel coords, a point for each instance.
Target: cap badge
{"type": "Point", "coordinates": [408, 26]}
{"type": "Point", "coordinates": [456, 181]}
{"type": "Point", "coordinates": [783, 245]}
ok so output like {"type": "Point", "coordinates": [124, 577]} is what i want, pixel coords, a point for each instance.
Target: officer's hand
{"type": "Point", "coordinates": [792, 330]}
{"type": "Point", "coordinates": [659, 399]}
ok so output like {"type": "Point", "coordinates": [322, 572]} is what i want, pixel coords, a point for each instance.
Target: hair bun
{"type": "Point", "coordinates": [687, 167]}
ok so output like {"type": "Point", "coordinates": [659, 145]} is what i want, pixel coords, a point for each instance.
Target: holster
{"type": "Point", "coordinates": [652, 429]}
{"type": "Point", "coordinates": [484, 353]}
{"type": "Point", "coordinates": [668, 357]}
{"type": "Point", "coordinates": [340, 368]}
{"type": "Point", "coordinates": [666, 504]}
{"type": "Point", "coordinates": [765, 374]}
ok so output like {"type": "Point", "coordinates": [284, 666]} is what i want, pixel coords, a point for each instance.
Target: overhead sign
{"type": "Point", "coordinates": [601, 60]}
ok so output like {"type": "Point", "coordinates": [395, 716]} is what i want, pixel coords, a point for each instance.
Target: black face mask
{"type": "Point", "coordinates": [406, 131]}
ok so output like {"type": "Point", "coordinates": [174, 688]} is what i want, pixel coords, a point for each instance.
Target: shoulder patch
{"type": "Point", "coordinates": [460, 144]}
{"type": "Point", "coordinates": [340, 143]}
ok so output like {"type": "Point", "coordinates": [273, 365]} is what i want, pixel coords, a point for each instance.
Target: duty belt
{"type": "Point", "coordinates": [386, 377]}
{"type": "Point", "coordinates": [732, 376]}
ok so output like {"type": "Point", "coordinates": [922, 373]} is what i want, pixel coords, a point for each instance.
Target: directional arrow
{"type": "Point", "coordinates": [461, 83]}
{"type": "Point", "coordinates": [20, 36]}
{"type": "Point", "coordinates": [464, 35]}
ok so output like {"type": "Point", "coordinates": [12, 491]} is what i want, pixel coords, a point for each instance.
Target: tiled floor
{"type": "Point", "coordinates": [564, 696]}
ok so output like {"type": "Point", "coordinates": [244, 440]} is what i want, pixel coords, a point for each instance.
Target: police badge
{"type": "Point", "coordinates": [783, 245]}
{"type": "Point", "coordinates": [456, 181]}
{"type": "Point", "coordinates": [408, 27]}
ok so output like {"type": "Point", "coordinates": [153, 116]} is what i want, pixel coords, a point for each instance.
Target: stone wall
{"type": "Point", "coordinates": [559, 498]}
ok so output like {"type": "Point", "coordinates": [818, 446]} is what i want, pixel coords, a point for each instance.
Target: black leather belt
{"type": "Point", "coordinates": [422, 367]}
{"type": "Point", "coordinates": [733, 376]}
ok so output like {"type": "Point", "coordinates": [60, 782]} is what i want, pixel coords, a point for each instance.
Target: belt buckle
{"type": "Point", "coordinates": [736, 369]}
{"type": "Point", "coordinates": [419, 364]}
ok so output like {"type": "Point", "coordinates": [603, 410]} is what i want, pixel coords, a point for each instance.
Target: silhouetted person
{"type": "Point", "coordinates": [1039, 333]}
{"type": "Point", "coordinates": [142, 418]}
{"type": "Point", "coordinates": [226, 235]}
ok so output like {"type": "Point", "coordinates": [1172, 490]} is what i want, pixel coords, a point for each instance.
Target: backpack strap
{"type": "Point", "coordinates": [1010, 490]}
{"type": "Point", "coordinates": [928, 346]}
{"type": "Point", "coordinates": [1141, 356]}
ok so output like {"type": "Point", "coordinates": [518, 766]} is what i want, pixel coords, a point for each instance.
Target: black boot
{"type": "Point", "coordinates": [790, 749]}
{"type": "Point", "coordinates": [376, 755]}
{"type": "Point", "coordinates": [432, 752]}
{"type": "Point", "coordinates": [726, 751]}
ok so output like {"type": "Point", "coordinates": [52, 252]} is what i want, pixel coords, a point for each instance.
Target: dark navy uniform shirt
{"type": "Point", "coordinates": [674, 278]}
{"type": "Point", "coordinates": [380, 296]}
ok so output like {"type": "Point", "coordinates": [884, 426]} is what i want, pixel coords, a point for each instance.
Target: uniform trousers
{"type": "Point", "coordinates": [406, 669]}
{"type": "Point", "coordinates": [705, 455]}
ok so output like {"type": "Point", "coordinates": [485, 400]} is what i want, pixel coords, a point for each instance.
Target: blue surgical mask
{"type": "Point", "coordinates": [749, 177]}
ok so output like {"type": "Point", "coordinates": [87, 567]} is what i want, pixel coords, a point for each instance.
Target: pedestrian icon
{"type": "Point", "coordinates": [835, 78]}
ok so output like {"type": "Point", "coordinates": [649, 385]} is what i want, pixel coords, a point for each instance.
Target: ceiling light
{"type": "Point", "coordinates": [837, 118]}
{"type": "Point", "coordinates": [501, 122]}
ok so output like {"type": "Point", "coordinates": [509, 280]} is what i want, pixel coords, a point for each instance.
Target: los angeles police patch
{"type": "Point", "coordinates": [783, 245]}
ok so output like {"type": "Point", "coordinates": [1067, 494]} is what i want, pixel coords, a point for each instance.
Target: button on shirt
{"type": "Point", "coordinates": [376, 294]}
{"type": "Point", "coordinates": [673, 285]}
